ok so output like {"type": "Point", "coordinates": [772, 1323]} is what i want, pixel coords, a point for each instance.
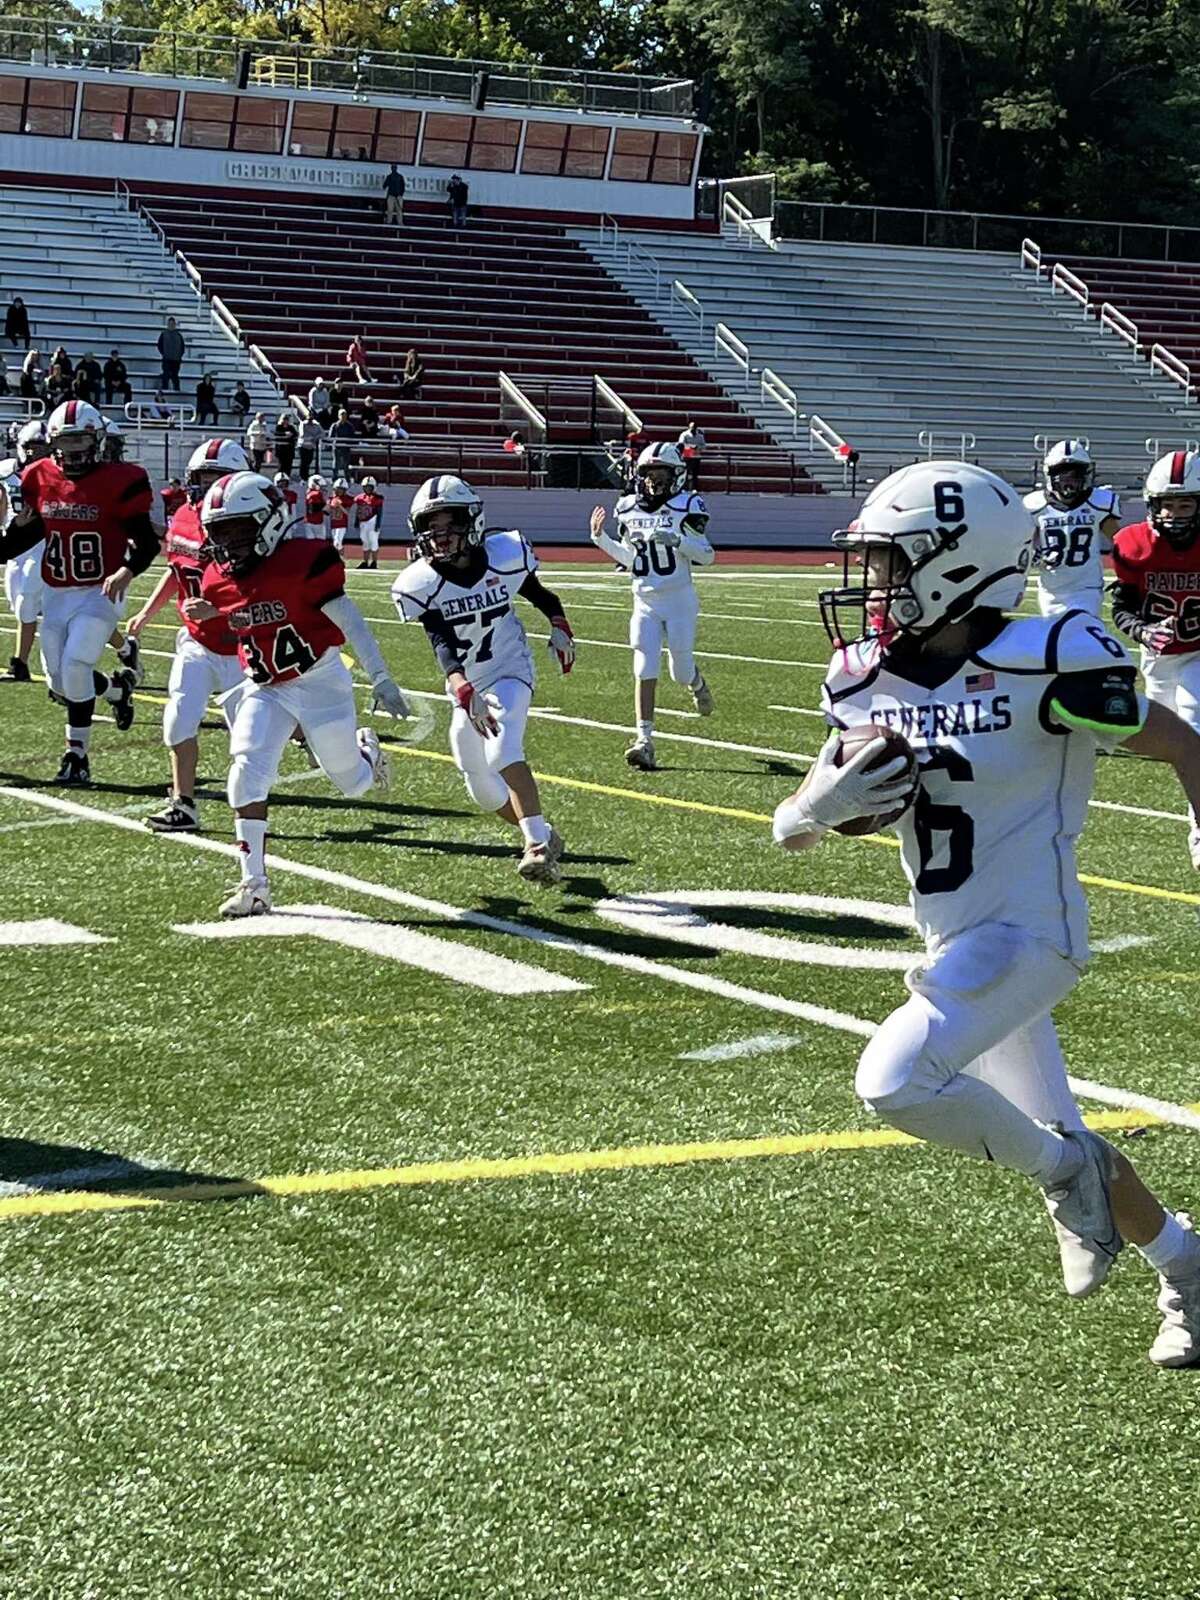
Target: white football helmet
{"type": "Point", "coordinates": [244, 517]}
{"type": "Point", "coordinates": [33, 442]}
{"type": "Point", "coordinates": [114, 440]}
{"type": "Point", "coordinates": [668, 460]}
{"type": "Point", "coordinates": [341, 485]}
{"type": "Point", "coordinates": [215, 458]}
{"type": "Point", "coordinates": [465, 530]}
{"type": "Point", "coordinates": [76, 434]}
{"type": "Point", "coordinates": [370, 484]}
{"type": "Point", "coordinates": [1068, 474]}
{"type": "Point", "coordinates": [960, 537]}
{"type": "Point", "coordinates": [316, 481]}
{"type": "Point", "coordinates": [1174, 477]}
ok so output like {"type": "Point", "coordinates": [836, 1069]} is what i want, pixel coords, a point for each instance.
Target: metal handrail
{"type": "Point", "coordinates": [264, 365]}
{"type": "Point", "coordinates": [178, 415]}
{"type": "Point", "coordinates": [1031, 256]}
{"type": "Point", "coordinates": [607, 222]}
{"type": "Point", "coordinates": [190, 272]}
{"type": "Point", "coordinates": [1063, 278]}
{"type": "Point", "coordinates": [635, 253]}
{"type": "Point", "coordinates": [522, 401]}
{"type": "Point", "coordinates": [1124, 327]}
{"type": "Point", "coordinates": [726, 342]}
{"type": "Point", "coordinates": [628, 414]}
{"type": "Point", "coordinates": [680, 292]}
{"type": "Point", "coordinates": [1043, 441]}
{"type": "Point", "coordinates": [1154, 447]}
{"type": "Point", "coordinates": [748, 226]}
{"type": "Point", "coordinates": [30, 404]}
{"type": "Point", "coordinates": [928, 437]}
{"type": "Point", "coordinates": [225, 319]}
{"type": "Point", "coordinates": [820, 432]}
{"type": "Point", "coordinates": [773, 389]}
{"type": "Point", "coordinates": [1172, 367]}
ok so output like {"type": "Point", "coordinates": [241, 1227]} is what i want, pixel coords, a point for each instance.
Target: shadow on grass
{"type": "Point", "coordinates": [78, 1169]}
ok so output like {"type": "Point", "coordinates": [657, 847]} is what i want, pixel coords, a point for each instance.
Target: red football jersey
{"type": "Point", "coordinates": [172, 499]}
{"type": "Point", "coordinates": [185, 537]}
{"type": "Point", "coordinates": [275, 609]}
{"type": "Point", "coordinates": [291, 497]}
{"type": "Point", "coordinates": [368, 506]}
{"type": "Point", "coordinates": [340, 506]}
{"type": "Point", "coordinates": [87, 519]}
{"type": "Point", "coordinates": [314, 507]}
{"type": "Point", "coordinates": [1168, 581]}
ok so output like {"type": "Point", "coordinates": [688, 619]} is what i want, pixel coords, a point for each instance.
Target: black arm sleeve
{"type": "Point", "coordinates": [19, 537]}
{"type": "Point", "coordinates": [546, 601]}
{"type": "Point", "coordinates": [1104, 700]}
{"type": "Point", "coordinates": [143, 543]}
{"type": "Point", "coordinates": [1127, 610]}
{"type": "Point", "coordinates": [442, 637]}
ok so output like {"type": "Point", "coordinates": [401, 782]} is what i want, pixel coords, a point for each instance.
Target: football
{"type": "Point", "coordinates": [850, 743]}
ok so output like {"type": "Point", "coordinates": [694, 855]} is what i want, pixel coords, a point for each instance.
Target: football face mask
{"type": "Point", "coordinates": [446, 535]}
{"type": "Point", "coordinates": [232, 544]}
{"type": "Point", "coordinates": [1176, 517]}
{"type": "Point", "coordinates": [1069, 485]}
{"type": "Point", "coordinates": [77, 451]}
{"type": "Point", "coordinates": [876, 600]}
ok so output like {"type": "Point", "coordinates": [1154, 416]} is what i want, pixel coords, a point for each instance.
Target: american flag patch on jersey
{"type": "Point", "coordinates": [980, 682]}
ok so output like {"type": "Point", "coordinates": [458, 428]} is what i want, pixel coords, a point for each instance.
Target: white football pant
{"type": "Point", "coordinates": [675, 617]}
{"type": "Point", "coordinates": [23, 584]}
{"type": "Point", "coordinates": [76, 625]}
{"type": "Point", "coordinates": [1174, 681]}
{"type": "Point", "coordinates": [368, 532]}
{"type": "Point", "coordinates": [339, 537]}
{"type": "Point", "coordinates": [972, 1056]}
{"type": "Point", "coordinates": [197, 674]}
{"type": "Point", "coordinates": [480, 760]}
{"type": "Point", "coordinates": [1051, 605]}
{"type": "Point", "coordinates": [321, 702]}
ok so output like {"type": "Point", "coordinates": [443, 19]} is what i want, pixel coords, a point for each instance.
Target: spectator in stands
{"type": "Point", "coordinates": [239, 403]}
{"type": "Point", "coordinates": [356, 358]}
{"type": "Point", "coordinates": [88, 378]}
{"type": "Point", "coordinates": [172, 347]}
{"type": "Point", "coordinates": [368, 416]}
{"type": "Point", "coordinates": [635, 442]}
{"type": "Point", "coordinates": [116, 379]}
{"type": "Point", "coordinates": [691, 445]}
{"type": "Point", "coordinates": [62, 360]}
{"type": "Point", "coordinates": [286, 436]}
{"type": "Point", "coordinates": [310, 445]}
{"type": "Point", "coordinates": [514, 445]}
{"type": "Point", "coordinates": [339, 400]}
{"type": "Point", "coordinates": [79, 386]}
{"type": "Point", "coordinates": [458, 194]}
{"type": "Point", "coordinates": [157, 410]}
{"type": "Point", "coordinates": [342, 432]}
{"type": "Point", "coordinates": [393, 425]}
{"type": "Point", "coordinates": [58, 387]}
{"type": "Point", "coordinates": [258, 441]}
{"type": "Point", "coordinates": [319, 404]}
{"type": "Point", "coordinates": [393, 196]}
{"type": "Point", "coordinates": [412, 377]}
{"type": "Point", "coordinates": [33, 375]}
{"type": "Point", "coordinates": [16, 324]}
{"type": "Point", "coordinates": [206, 401]}
{"type": "Point", "coordinates": [4, 387]}
{"type": "Point", "coordinates": [173, 496]}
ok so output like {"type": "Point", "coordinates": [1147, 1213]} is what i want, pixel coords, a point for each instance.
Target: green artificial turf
{"type": "Point", "coordinates": [842, 1373]}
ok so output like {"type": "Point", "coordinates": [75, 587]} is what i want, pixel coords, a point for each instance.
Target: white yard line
{"type": "Point", "coordinates": [760, 1045]}
{"type": "Point", "coordinates": [1127, 1100]}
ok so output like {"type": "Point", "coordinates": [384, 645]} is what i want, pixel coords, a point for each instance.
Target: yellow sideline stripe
{"type": "Point", "coordinates": [1118, 884]}
{"type": "Point", "coordinates": [555, 1164]}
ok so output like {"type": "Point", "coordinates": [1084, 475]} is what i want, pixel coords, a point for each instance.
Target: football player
{"type": "Point", "coordinates": [284, 484]}
{"type": "Point", "coordinates": [23, 574]}
{"type": "Point", "coordinates": [341, 504]}
{"type": "Point", "coordinates": [314, 510]}
{"type": "Point", "coordinates": [95, 519]}
{"type": "Point", "coordinates": [1074, 525]}
{"type": "Point", "coordinates": [368, 510]}
{"type": "Point", "coordinates": [1005, 718]}
{"type": "Point", "coordinates": [462, 587]}
{"type": "Point", "coordinates": [285, 601]}
{"type": "Point", "coordinates": [206, 654]}
{"type": "Point", "coordinates": [661, 528]}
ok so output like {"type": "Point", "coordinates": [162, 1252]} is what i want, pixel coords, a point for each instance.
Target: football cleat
{"type": "Point", "coordinates": [1178, 1341]}
{"type": "Point", "coordinates": [177, 816]}
{"type": "Point", "coordinates": [1088, 1241]}
{"type": "Point", "coordinates": [641, 755]}
{"type": "Point", "coordinates": [123, 682]}
{"type": "Point", "coordinates": [539, 863]}
{"type": "Point", "coordinates": [702, 699]}
{"type": "Point", "coordinates": [373, 751]}
{"type": "Point", "coordinates": [251, 898]}
{"type": "Point", "coordinates": [18, 672]}
{"type": "Point", "coordinates": [73, 772]}
{"type": "Point", "coordinates": [130, 657]}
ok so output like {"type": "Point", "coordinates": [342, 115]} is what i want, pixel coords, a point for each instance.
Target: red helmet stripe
{"type": "Point", "coordinates": [72, 407]}
{"type": "Point", "coordinates": [212, 450]}
{"type": "Point", "coordinates": [1178, 464]}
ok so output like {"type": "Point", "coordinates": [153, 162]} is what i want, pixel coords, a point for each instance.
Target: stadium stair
{"type": "Point", "coordinates": [885, 343]}
{"type": "Point", "coordinates": [94, 278]}
{"type": "Point", "coordinates": [495, 296]}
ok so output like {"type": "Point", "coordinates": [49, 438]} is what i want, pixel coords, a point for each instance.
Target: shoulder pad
{"type": "Point", "coordinates": [1034, 502]}
{"type": "Point", "coordinates": [1078, 642]}
{"type": "Point", "coordinates": [9, 468]}
{"type": "Point", "coordinates": [694, 505]}
{"type": "Point", "coordinates": [416, 586]}
{"type": "Point", "coordinates": [1106, 501]}
{"type": "Point", "coordinates": [507, 551]}
{"type": "Point", "coordinates": [627, 502]}
{"type": "Point", "coordinates": [851, 670]}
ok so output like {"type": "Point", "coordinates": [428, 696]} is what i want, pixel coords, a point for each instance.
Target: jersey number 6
{"type": "Point", "coordinates": [932, 820]}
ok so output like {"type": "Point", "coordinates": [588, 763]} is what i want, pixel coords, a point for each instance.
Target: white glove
{"type": "Point", "coordinates": [833, 795]}
{"type": "Point", "coordinates": [666, 536]}
{"type": "Point", "coordinates": [476, 708]}
{"type": "Point", "coordinates": [388, 696]}
{"type": "Point", "coordinates": [1158, 635]}
{"type": "Point", "coordinates": [562, 645]}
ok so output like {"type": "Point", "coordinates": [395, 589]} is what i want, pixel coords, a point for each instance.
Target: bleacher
{"type": "Point", "coordinates": [1161, 297]}
{"type": "Point", "coordinates": [517, 297]}
{"type": "Point", "coordinates": [888, 344]}
{"type": "Point", "coordinates": [94, 278]}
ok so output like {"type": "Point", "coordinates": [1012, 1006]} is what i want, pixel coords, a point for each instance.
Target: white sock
{"type": "Point", "coordinates": [535, 830]}
{"type": "Point", "coordinates": [78, 740]}
{"type": "Point", "coordinates": [1172, 1245]}
{"type": "Point", "coordinates": [251, 835]}
{"type": "Point", "coordinates": [646, 729]}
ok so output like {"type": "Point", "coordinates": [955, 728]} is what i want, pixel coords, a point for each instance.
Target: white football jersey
{"type": "Point", "coordinates": [10, 476]}
{"type": "Point", "coordinates": [1004, 784]}
{"type": "Point", "coordinates": [1067, 544]}
{"type": "Point", "coordinates": [480, 609]}
{"type": "Point", "coordinates": [656, 568]}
